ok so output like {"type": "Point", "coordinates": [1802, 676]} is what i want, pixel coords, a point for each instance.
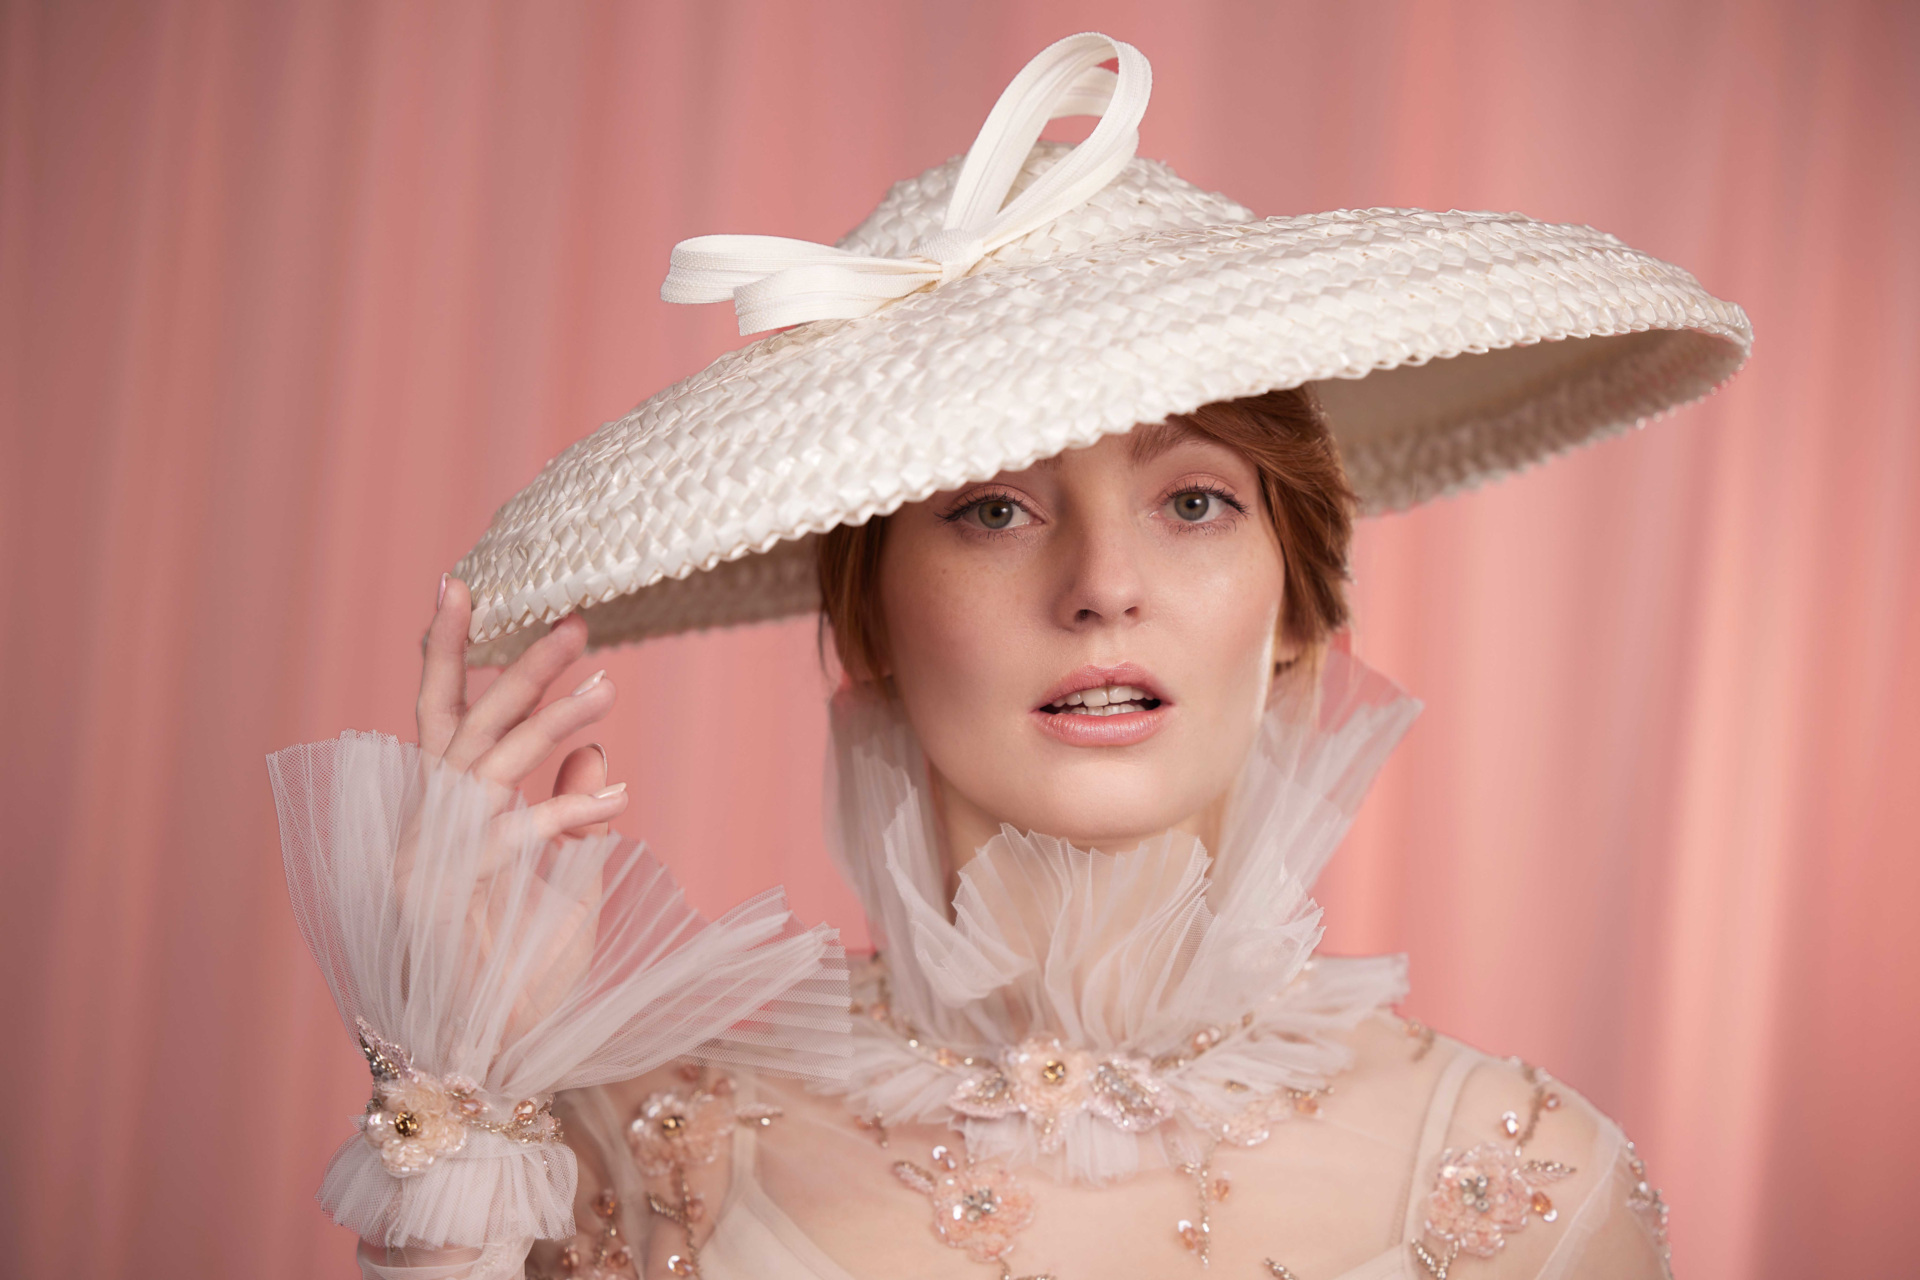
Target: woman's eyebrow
{"type": "Point", "coordinates": [1150, 441]}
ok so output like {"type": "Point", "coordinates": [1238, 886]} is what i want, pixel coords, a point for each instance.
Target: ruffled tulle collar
{"type": "Point", "coordinates": [1103, 1012]}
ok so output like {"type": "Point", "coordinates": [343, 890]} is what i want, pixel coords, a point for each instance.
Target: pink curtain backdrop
{"type": "Point", "coordinates": [294, 295]}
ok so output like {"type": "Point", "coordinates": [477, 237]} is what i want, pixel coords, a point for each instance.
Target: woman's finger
{"type": "Point", "coordinates": [583, 772]}
{"type": "Point", "coordinates": [556, 817]}
{"type": "Point", "coordinates": [517, 692]}
{"type": "Point", "coordinates": [522, 748]}
{"type": "Point", "coordinates": [443, 669]}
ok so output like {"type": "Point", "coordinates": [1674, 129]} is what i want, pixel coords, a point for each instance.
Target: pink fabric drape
{"type": "Point", "coordinates": [294, 295]}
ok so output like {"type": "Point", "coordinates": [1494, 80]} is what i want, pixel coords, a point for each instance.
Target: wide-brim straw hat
{"type": "Point", "coordinates": [1032, 297]}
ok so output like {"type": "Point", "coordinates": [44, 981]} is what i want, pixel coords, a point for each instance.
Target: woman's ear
{"type": "Point", "coordinates": [1287, 653]}
{"type": "Point", "coordinates": [1286, 649]}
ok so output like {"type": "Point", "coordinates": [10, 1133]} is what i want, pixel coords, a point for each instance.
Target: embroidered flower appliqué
{"type": "Point", "coordinates": [675, 1129]}
{"type": "Point", "coordinates": [414, 1118]}
{"type": "Point", "coordinates": [675, 1132]}
{"type": "Point", "coordinates": [1486, 1193]}
{"type": "Point", "coordinates": [979, 1208]}
{"type": "Point", "coordinates": [1048, 1083]}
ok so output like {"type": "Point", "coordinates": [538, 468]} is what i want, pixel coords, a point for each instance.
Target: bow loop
{"type": "Point", "coordinates": [775, 281]}
{"type": "Point", "coordinates": [711, 268]}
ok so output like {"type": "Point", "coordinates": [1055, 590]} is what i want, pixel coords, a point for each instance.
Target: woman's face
{"type": "Point", "coordinates": [1085, 648]}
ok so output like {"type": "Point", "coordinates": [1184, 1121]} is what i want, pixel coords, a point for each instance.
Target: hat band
{"type": "Point", "coordinates": [774, 281]}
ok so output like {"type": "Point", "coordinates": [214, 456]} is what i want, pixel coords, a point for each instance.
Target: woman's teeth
{"type": "Point", "coordinates": [1108, 700]}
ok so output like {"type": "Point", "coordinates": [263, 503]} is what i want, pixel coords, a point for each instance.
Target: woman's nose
{"type": "Point", "coordinates": [1103, 582]}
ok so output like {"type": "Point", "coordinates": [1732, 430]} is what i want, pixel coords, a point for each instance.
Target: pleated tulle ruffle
{"type": "Point", "coordinates": [506, 968]}
{"type": "Point", "coordinates": [1188, 977]}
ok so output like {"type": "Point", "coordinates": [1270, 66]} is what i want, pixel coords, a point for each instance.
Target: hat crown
{"type": "Point", "coordinates": [1145, 198]}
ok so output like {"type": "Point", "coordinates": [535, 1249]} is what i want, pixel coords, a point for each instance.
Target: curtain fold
{"type": "Point", "coordinates": [292, 296]}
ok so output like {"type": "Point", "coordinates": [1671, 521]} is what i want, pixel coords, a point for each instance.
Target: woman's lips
{"type": "Point", "coordinates": [1079, 709]}
{"type": "Point", "coordinates": [1090, 677]}
{"type": "Point", "coordinates": [1102, 731]}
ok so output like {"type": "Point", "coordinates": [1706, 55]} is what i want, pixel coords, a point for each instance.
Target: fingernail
{"type": "Point", "coordinates": [591, 681]}
{"type": "Point", "coordinates": [610, 792]}
{"type": "Point", "coordinates": [442, 597]}
{"type": "Point", "coordinates": [603, 755]}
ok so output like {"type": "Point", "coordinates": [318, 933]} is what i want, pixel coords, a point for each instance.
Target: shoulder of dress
{"type": "Point", "coordinates": [1521, 1176]}
{"type": "Point", "coordinates": [1399, 1062]}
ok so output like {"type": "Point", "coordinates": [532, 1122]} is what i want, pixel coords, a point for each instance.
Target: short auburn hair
{"type": "Point", "coordinates": [1303, 488]}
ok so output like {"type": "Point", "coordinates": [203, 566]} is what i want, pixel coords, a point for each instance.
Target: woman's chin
{"type": "Point", "coordinates": [1091, 829]}
{"type": "Point", "coordinates": [1093, 803]}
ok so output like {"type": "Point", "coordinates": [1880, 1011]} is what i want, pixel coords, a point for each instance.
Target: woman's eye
{"type": "Point", "coordinates": [1195, 506]}
{"type": "Point", "coordinates": [998, 513]}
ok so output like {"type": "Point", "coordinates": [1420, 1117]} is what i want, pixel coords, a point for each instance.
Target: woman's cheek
{"type": "Point", "coordinates": [1235, 653]}
{"type": "Point", "coordinates": [929, 609]}
{"type": "Point", "coordinates": [954, 643]}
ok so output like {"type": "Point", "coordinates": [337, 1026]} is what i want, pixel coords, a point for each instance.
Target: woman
{"type": "Point", "coordinates": [1067, 453]}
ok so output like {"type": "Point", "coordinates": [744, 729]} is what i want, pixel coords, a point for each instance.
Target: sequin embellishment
{"type": "Point", "coordinates": [677, 1132]}
{"type": "Point", "coordinates": [1049, 1084]}
{"type": "Point", "coordinates": [1645, 1202]}
{"type": "Point", "coordinates": [610, 1259]}
{"type": "Point", "coordinates": [979, 1208]}
{"type": "Point", "coordinates": [1485, 1193]}
{"type": "Point", "coordinates": [1197, 1234]}
{"type": "Point", "coordinates": [414, 1118]}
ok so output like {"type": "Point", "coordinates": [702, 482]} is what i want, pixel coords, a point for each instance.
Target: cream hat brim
{"type": "Point", "coordinates": [1445, 348]}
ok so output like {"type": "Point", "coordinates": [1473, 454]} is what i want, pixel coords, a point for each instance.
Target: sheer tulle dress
{"type": "Point", "coordinates": [1109, 1064]}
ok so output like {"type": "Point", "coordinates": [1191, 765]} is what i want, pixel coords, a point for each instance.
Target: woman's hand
{"type": "Point", "coordinates": [503, 737]}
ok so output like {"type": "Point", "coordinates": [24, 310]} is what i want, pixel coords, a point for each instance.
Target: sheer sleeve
{"type": "Point", "coordinates": [481, 972]}
{"type": "Point", "coordinates": [1621, 1230]}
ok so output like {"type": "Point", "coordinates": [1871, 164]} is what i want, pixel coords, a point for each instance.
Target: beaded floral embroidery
{"type": "Point", "coordinates": [1211, 1189]}
{"type": "Point", "coordinates": [676, 1132]}
{"type": "Point", "coordinates": [1645, 1202]}
{"type": "Point", "coordinates": [681, 1130]}
{"type": "Point", "coordinates": [610, 1259]}
{"type": "Point", "coordinates": [1048, 1083]}
{"type": "Point", "coordinates": [1485, 1193]}
{"type": "Point", "coordinates": [979, 1208]}
{"type": "Point", "coordinates": [414, 1118]}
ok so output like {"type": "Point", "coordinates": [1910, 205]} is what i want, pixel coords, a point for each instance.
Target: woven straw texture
{"type": "Point", "coordinates": [1447, 348]}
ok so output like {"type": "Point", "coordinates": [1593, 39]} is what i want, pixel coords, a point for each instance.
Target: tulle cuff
{"type": "Point", "coordinates": [482, 970]}
{"type": "Point", "coordinates": [506, 1260]}
{"type": "Point", "coordinates": [489, 1188]}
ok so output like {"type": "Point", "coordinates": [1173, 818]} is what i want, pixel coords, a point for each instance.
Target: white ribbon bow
{"type": "Point", "coordinates": [775, 281]}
